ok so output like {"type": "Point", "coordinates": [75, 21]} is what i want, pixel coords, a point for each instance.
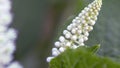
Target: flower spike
{"type": "Point", "coordinates": [77, 32]}
{"type": "Point", "coordinates": [7, 37]}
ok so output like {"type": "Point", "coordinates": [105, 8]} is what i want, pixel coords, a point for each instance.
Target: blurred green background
{"type": "Point", "coordinates": [39, 21]}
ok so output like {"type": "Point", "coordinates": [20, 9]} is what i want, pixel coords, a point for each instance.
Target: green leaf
{"type": "Point", "coordinates": [94, 49]}
{"type": "Point", "coordinates": [82, 57]}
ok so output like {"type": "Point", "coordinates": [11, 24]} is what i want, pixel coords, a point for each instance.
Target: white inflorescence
{"type": "Point", "coordinates": [7, 37]}
{"type": "Point", "coordinates": [78, 31]}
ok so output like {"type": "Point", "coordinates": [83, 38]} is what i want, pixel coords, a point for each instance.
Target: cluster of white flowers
{"type": "Point", "coordinates": [78, 31]}
{"type": "Point", "coordinates": [7, 37]}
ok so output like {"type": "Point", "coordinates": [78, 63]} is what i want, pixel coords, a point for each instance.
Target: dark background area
{"type": "Point", "coordinates": [39, 22]}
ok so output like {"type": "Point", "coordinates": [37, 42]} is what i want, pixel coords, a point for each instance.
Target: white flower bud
{"type": "Point", "coordinates": [68, 44]}
{"type": "Point", "coordinates": [3, 38]}
{"type": "Point", "coordinates": [6, 59]}
{"type": "Point", "coordinates": [49, 59]}
{"type": "Point", "coordinates": [85, 38]}
{"type": "Point", "coordinates": [90, 5]}
{"type": "Point", "coordinates": [73, 31]}
{"type": "Point", "coordinates": [65, 32]}
{"type": "Point", "coordinates": [54, 49]}
{"type": "Point", "coordinates": [91, 10]}
{"type": "Point", "coordinates": [74, 46]}
{"type": "Point", "coordinates": [68, 35]}
{"type": "Point", "coordinates": [77, 18]}
{"type": "Point", "coordinates": [74, 24]}
{"type": "Point", "coordinates": [83, 21]}
{"type": "Point", "coordinates": [61, 38]}
{"type": "Point", "coordinates": [83, 11]}
{"type": "Point", "coordinates": [92, 22]}
{"type": "Point", "coordinates": [86, 28]}
{"type": "Point", "coordinates": [74, 21]}
{"type": "Point", "coordinates": [5, 19]}
{"type": "Point", "coordinates": [69, 27]}
{"type": "Point", "coordinates": [86, 14]}
{"type": "Point", "coordinates": [74, 37]}
{"type": "Point", "coordinates": [95, 18]}
{"type": "Point", "coordinates": [80, 14]}
{"type": "Point", "coordinates": [83, 17]}
{"type": "Point", "coordinates": [81, 40]}
{"type": "Point", "coordinates": [55, 53]}
{"type": "Point", "coordinates": [82, 44]}
{"type": "Point", "coordinates": [61, 49]}
{"type": "Point", "coordinates": [79, 27]}
{"type": "Point", "coordinates": [79, 31]}
{"type": "Point", "coordinates": [9, 48]}
{"type": "Point", "coordinates": [90, 28]}
{"type": "Point", "coordinates": [57, 44]}
{"type": "Point", "coordinates": [86, 8]}
{"type": "Point", "coordinates": [86, 34]}
{"type": "Point", "coordinates": [11, 34]}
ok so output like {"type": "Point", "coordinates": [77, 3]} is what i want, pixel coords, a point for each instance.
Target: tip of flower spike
{"type": "Point", "coordinates": [98, 1]}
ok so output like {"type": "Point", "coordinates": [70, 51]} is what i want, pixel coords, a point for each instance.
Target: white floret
{"type": "Point", "coordinates": [55, 53]}
{"type": "Point", "coordinates": [68, 44]}
{"type": "Point", "coordinates": [69, 27]}
{"type": "Point", "coordinates": [73, 31]}
{"type": "Point", "coordinates": [61, 38]}
{"type": "Point", "coordinates": [74, 37]}
{"type": "Point", "coordinates": [68, 35]}
{"type": "Point", "coordinates": [65, 32]}
{"type": "Point", "coordinates": [61, 49]}
{"type": "Point", "coordinates": [49, 59]}
{"type": "Point", "coordinates": [57, 44]}
{"type": "Point", "coordinates": [85, 38]}
{"type": "Point", "coordinates": [86, 33]}
{"type": "Point", "coordinates": [81, 40]}
{"type": "Point", "coordinates": [74, 46]}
